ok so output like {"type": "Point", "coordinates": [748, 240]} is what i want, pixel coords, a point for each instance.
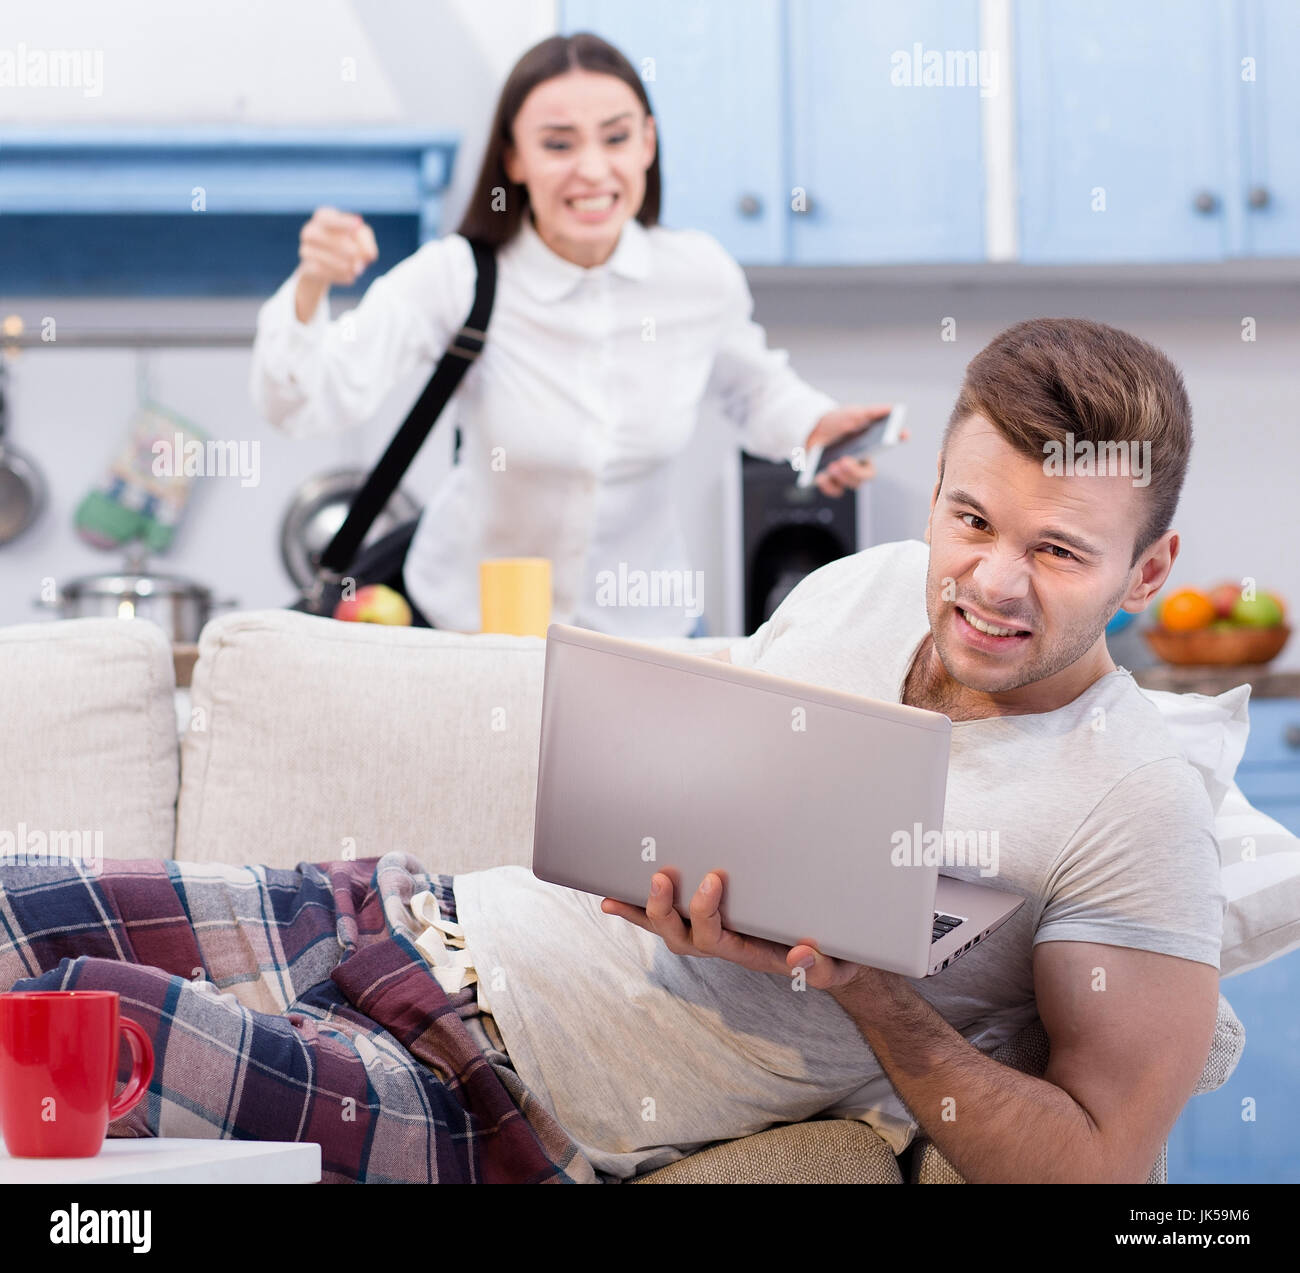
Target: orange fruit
{"type": "Point", "coordinates": [1186, 610]}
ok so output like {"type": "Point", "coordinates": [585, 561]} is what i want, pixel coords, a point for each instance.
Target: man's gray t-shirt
{"type": "Point", "coordinates": [644, 1056]}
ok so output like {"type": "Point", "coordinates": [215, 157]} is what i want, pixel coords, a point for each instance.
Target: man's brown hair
{"type": "Point", "coordinates": [1046, 377]}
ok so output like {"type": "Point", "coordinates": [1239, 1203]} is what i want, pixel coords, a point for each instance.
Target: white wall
{"type": "Point", "coordinates": [305, 62]}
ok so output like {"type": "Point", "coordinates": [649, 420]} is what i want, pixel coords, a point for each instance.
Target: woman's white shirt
{"type": "Point", "coordinates": [588, 387]}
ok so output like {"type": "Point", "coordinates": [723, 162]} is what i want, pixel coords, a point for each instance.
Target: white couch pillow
{"type": "Point", "coordinates": [1260, 857]}
{"type": "Point", "coordinates": [88, 752]}
{"type": "Point", "coordinates": [1211, 730]}
{"type": "Point", "coordinates": [1261, 877]}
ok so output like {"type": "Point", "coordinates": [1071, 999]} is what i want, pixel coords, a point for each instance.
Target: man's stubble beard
{"type": "Point", "coordinates": [1044, 664]}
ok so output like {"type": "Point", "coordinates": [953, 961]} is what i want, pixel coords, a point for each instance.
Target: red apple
{"type": "Point", "coordinates": [375, 603]}
{"type": "Point", "coordinates": [1223, 597]}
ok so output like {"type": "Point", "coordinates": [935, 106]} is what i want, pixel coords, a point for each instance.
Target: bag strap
{"type": "Point", "coordinates": [465, 346]}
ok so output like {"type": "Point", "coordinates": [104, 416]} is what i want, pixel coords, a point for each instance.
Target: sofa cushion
{"type": "Point", "coordinates": [835, 1151]}
{"type": "Point", "coordinates": [1261, 879]}
{"type": "Point", "coordinates": [930, 1167]}
{"type": "Point", "coordinates": [1211, 731]}
{"type": "Point", "coordinates": [89, 753]}
{"type": "Point", "coordinates": [312, 739]}
{"type": "Point", "coordinates": [1260, 858]}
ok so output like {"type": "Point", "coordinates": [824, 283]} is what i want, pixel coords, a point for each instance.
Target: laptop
{"type": "Point", "coordinates": [813, 803]}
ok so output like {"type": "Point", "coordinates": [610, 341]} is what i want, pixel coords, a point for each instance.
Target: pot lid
{"type": "Point", "coordinates": [121, 583]}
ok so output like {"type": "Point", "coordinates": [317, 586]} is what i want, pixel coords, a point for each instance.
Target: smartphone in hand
{"type": "Point", "coordinates": [877, 435]}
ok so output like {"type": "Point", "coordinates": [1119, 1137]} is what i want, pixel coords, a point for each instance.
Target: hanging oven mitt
{"type": "Point", "coordinates": [146, 488]}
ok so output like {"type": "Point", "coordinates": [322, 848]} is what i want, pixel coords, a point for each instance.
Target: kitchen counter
{"type": "Point", "coordinates": [1264, 682]}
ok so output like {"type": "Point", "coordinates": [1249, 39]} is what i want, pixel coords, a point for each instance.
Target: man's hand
{"type": "Point", "coordinates": [705, 936]}
{"type": "Point", "coordinates": [845, 474]}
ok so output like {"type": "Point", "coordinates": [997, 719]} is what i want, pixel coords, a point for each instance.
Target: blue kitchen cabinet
{"type": "Point", "coordinates": [885, 133]}
{"type": "Point", "coordinates": [1269, 773]}
{"type": "Point", "coordinates": [760, 98]}
{"type": "Point", "coordinates": [203, 210]}
{"type": "Point", "coordinates": [1129, 138]}
{"type": "Point", "coordinates": [1270, 108]}
{"type": "Point", "coordinates": [713, 73]}
{"type": "Point", "coordinates": [1212, 1142]}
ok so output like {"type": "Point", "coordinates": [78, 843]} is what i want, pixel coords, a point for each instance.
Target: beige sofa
{"type": "Point", "coordinates": [305, 739]}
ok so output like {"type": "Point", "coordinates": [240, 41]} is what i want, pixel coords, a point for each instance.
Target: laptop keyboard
{"type": "Point", "coordinates": [944, 924]}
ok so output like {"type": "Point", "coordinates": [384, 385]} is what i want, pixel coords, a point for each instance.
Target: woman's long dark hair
{"type": "Point", "coordinates": [553, 56]}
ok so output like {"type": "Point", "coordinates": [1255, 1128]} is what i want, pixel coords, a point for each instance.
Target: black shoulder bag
{"type": "Point", "coordinates": [381, 562]}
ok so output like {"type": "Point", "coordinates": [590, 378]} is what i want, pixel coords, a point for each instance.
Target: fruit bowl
{"type": "Point", "coordinates": [1223, 646]}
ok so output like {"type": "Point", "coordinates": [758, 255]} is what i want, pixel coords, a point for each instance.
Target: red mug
{"type": "Point", "coordinates": [58, 1068]}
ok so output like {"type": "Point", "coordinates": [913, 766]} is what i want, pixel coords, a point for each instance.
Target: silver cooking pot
{"type": "Point", "coordinates": [179, 606]}
{"type": "Point", "coordinates": [22, 488]}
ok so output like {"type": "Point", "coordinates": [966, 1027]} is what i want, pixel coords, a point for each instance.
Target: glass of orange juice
{"type": "Point", "coordinates": [515, 595]}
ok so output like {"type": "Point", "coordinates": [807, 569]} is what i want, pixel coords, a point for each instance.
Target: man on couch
{"type": "Point", "coordinates": [671, 1033]}
{"type": "Point", "coordinates": [650, 1038]}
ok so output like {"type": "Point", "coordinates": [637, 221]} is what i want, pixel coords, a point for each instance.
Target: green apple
{"type": "Point", "coordinates": [1260, 611]}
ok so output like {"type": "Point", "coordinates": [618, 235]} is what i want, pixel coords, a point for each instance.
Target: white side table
{"type": "Point", "coordinates": [151, 1160]}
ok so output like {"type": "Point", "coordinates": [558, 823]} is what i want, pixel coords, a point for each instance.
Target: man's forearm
{"type": "Point", "coordinates": [991, 1122]}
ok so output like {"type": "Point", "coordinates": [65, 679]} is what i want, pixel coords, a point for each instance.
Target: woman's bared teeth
{"type": "Point", "coordinates": [594, 204]}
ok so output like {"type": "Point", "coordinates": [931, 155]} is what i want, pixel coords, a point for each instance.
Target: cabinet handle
{"type": "Point", "coordinates": [750, 206]}
{"type": "Point", "coordinates": [1258, 197]}
{"type": "Point", "coordinates": [1206, 203]}
{"type": "Point", "coordinates": [1292, 735]}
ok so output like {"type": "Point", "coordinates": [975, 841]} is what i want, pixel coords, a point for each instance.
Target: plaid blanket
{"type": "Point", "coordinates": [286, 1005]}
